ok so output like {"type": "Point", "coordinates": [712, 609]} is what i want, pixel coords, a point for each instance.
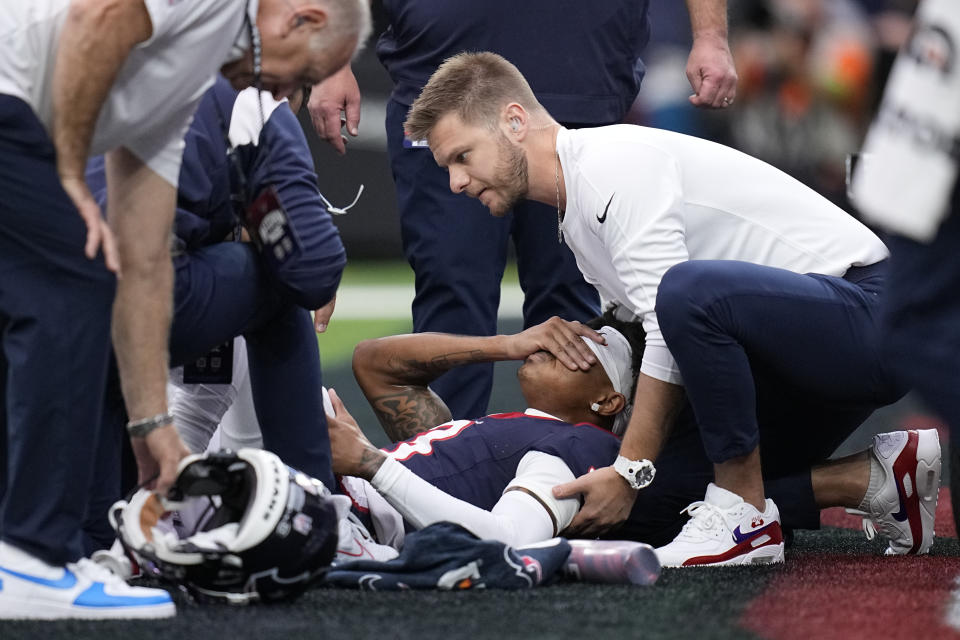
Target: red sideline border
{"type": "Point", "coordinates": [849, 596]}
{"type": "Point", "coordinates": [853, 596]}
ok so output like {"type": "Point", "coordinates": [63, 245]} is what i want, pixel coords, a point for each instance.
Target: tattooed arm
{"type": "Point", "coordinates": [394, 372]}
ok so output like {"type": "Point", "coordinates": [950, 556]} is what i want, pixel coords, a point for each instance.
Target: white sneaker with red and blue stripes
{"type": "Point", "coordinates": [904, 507]}
{"type": "Point", "coordinates": [725, 530]}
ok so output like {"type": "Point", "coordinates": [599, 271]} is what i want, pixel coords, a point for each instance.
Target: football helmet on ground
{"type": "Point", "coordinates": [265, 532]}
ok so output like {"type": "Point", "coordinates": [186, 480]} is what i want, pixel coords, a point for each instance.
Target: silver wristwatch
{"type": "Point", "coordinates": [638, 473]}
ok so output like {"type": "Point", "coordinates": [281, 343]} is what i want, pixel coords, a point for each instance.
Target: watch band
{"type": "Point", "coordinates": [638, 473]}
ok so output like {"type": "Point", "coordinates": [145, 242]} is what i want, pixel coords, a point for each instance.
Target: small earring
{"type": "Point", "coordinates": [595, 407]}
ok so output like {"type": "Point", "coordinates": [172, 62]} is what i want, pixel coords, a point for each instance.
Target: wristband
{"type": "Point", "coordinates": [140, 428]}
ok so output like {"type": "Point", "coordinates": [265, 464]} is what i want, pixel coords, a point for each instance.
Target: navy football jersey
{"type": "Point", "coordinates": [475, 460]}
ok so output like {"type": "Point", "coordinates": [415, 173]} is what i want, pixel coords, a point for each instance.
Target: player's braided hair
{"type": "Point", "coordinates": [635, 335]}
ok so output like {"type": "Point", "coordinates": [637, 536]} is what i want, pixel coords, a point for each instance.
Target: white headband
{"type": "Point", "coordinates": [616, 359]}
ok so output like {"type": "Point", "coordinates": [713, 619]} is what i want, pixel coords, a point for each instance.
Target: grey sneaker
{"type": "Point", "coordinates": [904, 508]}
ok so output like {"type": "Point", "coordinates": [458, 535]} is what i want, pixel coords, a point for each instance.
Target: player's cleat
{"type": "Point", "coordinates": [33, 589]}
{"type": "Point", "coordinates": [725, 530]}
{"type": "Point", "coordinates": [905, 505]}
{"type": "Point", "coordinates": [354, 542]}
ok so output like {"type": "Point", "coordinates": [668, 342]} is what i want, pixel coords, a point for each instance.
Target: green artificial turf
{"type": "Point", "coordinates": [340, 338]}
{"type": "Point", "coordinates": [377, 272]}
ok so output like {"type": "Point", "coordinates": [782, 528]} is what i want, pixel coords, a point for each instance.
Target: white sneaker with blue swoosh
{"type": "Point", "coordinates": [33, 589]}
{"type": "Point", "coordinates": [725, 530]}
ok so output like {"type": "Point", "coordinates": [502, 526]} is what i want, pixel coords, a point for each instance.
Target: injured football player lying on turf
{"type": "Point", "coordinates": [494, 475]}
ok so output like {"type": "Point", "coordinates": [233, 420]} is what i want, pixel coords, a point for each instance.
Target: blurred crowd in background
{"type": "Point", "coordinates": [811, 74]}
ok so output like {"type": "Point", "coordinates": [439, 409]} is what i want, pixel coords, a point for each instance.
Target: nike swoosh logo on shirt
{"type": "Point", "coordinates": [602, 219]}
{"type": "Point", "coordinates": [66, 581]}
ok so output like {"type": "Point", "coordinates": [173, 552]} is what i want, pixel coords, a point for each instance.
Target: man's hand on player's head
{"type": "Point", "coordinates": [561, 338]}
{"type": "Point", "coordinates": [608, 500]}
{"type": "Point", "coordinates": [352, 453]}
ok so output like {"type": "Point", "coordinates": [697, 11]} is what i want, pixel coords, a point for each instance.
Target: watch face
{"type": "Point", "coordinates": [638, 473]}
{"type": "Point", "coordinates": [645, 474]}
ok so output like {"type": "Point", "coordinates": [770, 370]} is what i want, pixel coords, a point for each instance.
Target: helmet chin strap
{"type": "Point", "coordinates": [137, 520]}
{"type": "Point", "coordinates": [137, 524]}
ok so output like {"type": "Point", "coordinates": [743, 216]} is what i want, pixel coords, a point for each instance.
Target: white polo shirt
{"type": "Point", "coordinates": [157, 89]}
{"type": "Point", "coordinates": [665, 198]}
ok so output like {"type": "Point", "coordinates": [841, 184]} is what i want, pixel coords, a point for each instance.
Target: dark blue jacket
{"type": "Point", "coordinates": [582, 59]}
{"type": "Point", "coordinates": [279, 157]}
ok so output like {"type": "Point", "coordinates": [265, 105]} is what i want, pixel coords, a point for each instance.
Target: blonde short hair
{"type": "Point", "coordinates": [476, 86]}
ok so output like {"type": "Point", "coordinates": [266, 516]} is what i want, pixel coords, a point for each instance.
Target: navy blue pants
{"type": "Point", "coordinates": [222, 291]}
{"type": "Point", "coordinates": [458, 252]}
{"type": "Point", "coordinates": [683, 471]}
{"type": "Point", "coordinates": [791, 362]}
{"type": "Point", "coordinates": [55, 332]}
{"type": "Point", "coordinates": [922, 317]}
{"type": "Point", "coordinates": [922, 322]}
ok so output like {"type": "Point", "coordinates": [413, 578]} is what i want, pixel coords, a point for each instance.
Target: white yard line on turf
{"type": "Point", "coordinates": [393, 301]}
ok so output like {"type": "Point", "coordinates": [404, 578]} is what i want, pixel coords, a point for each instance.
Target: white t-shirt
{"type": "Point", "coordinates": [157, 89]}
{"type": "Point", "coordinates": [665, 198]}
